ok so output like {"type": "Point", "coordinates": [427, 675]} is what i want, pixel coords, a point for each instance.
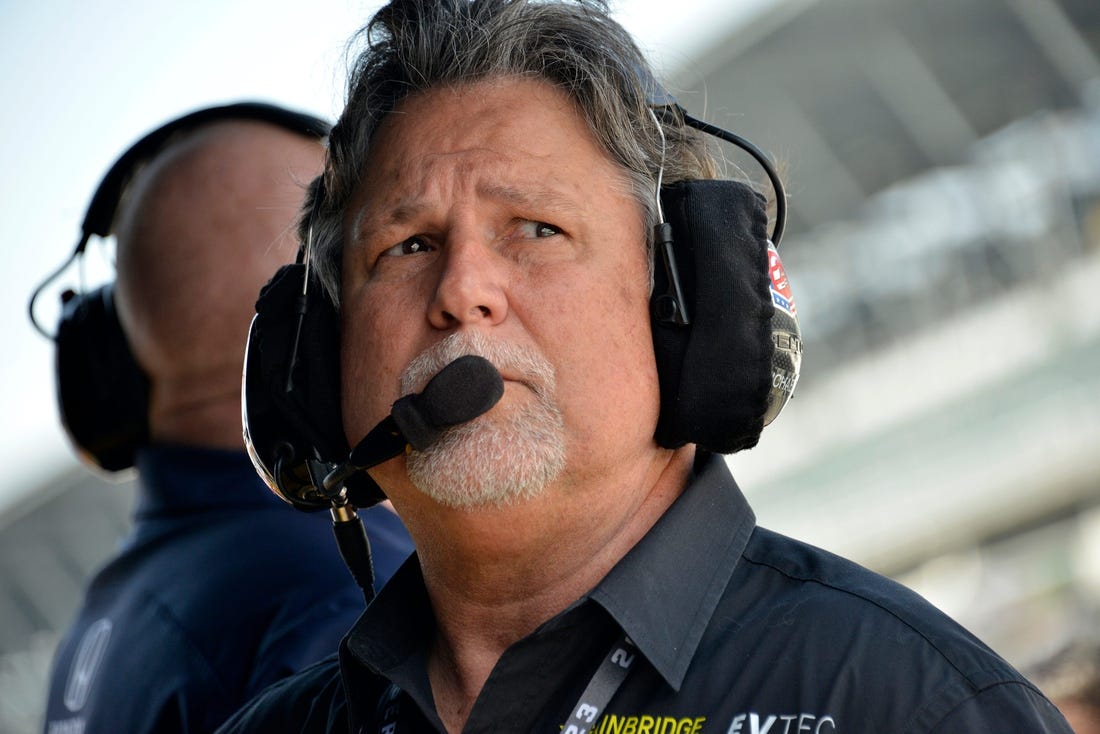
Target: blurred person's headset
{"type": "Point", "coordinates": [102, 392]}
{"type": "Point", "coordinates": [725, 332]}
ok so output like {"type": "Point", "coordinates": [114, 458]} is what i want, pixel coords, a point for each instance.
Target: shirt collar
{"type": "Point", "coordinates": [664, 591]}
{"type": "Point", "coordinates": [176, 478]}
{"type": "Point", "coordinates": [398, 623]}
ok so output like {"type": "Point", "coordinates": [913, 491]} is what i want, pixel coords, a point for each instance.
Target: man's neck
{"type": "Point", "coordinates": [212, 420]}
{"type": "Point", "coordinates": [496, 574]}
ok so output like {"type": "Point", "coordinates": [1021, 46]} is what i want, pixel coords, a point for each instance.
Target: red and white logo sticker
{"type": "Point", "coordinates": [780, 287]}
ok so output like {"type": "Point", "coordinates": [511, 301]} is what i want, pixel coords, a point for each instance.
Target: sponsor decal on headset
{"type": "Point", "coordinates": [780, 286]}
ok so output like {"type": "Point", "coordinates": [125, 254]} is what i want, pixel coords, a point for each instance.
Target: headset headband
{"type": "Point", "coordinates": [100, 214]}
{"type": "Point", "coordinates": [105, 200]}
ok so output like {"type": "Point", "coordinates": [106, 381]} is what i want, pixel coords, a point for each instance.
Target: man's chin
{"type": "Point", "coordinates": [485, 464]}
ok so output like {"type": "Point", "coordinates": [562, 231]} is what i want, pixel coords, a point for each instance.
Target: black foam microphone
{"type": "Point", "coordinates": [461, 391]}
{"type": "Point", "coordinates": [464, 389]}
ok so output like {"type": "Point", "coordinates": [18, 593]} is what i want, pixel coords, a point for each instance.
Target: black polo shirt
{"type": "Point", "coordinates": [740, 631]}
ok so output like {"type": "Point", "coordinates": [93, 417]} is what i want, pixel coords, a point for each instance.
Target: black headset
{"type": "Point", "coordinates": [102, 392]}
{"type": "Point", "coordinates": [725, 333]}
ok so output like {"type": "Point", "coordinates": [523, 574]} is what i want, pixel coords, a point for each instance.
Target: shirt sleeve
{"type": "Point", "coordinates": [1010, 706]}
{"type": "Point", "coordinates": [309, 702]}
{"type": "Point", "coordinates": [305, 630]}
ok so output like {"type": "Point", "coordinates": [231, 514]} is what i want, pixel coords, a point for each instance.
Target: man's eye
{"type": "Point", "coordinates": [538, 230]}
{"type": "Point", "coordinates": [411, 246]}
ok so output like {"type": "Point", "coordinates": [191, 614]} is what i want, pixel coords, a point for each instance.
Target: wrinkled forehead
{"type": "Point", "coordinates": [512, 139]}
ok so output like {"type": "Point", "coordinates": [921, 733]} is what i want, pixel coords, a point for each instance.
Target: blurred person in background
{"type": "Point", "coordinates": [220, 588]}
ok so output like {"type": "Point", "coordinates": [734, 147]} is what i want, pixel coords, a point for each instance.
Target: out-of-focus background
{"type": "Point", "coordinates": [943, 167]}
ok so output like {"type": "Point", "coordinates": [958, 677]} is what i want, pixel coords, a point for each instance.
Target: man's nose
{"type": "Point", "coordinates": [471, 287]}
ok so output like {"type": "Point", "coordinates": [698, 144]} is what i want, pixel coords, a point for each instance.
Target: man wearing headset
{"type": "Point", "coordinates": [585, 562]}
{"type": "Point", "coordinates": [220, 589]}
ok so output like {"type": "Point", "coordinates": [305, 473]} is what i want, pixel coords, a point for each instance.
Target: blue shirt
{"type": "Point", "coordinates": [220, 589]}
{"type": "Point", "coordinates": [738, 630]}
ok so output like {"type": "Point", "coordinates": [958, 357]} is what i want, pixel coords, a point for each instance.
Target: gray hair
{"type": "Point", "coordinates": [412, 46]}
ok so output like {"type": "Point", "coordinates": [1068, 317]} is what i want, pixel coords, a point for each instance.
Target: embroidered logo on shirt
{"type": "Point", "coordinates": [87, 659]}
{"type": "Point", "coordinates": [613, 724]}
{"type": "Point", "coordinates": [753, 723]}
{"type": "Point", "coordinates": [89, 654]}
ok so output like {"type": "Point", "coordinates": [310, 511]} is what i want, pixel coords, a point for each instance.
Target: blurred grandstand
{"type": "Point", "coordinates": [943, 160]}
{"type": "Point", "coordinates": [944, 169]}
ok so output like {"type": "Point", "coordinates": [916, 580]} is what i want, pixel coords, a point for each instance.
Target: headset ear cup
{"type": "Point", "coordinates": [102, 392]}
{"type": "Point", "coordinates": [715, 374]}
{"type": "Point", "coordinates": [786, 338]}
{"type": "Point", "coordinates": [292, 391]}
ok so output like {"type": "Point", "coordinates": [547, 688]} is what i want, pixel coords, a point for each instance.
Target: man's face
{"type": "Point", "coordinates": [487, 214]}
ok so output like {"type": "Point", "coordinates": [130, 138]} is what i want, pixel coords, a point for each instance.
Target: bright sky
{"type": "Point", "coordinates": [81, 81]}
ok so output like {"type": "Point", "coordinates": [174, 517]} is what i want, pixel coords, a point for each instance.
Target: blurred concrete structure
{"type": "Point", "coordinates": [50, 544]}
{"type": "Point", "coordinates": [943, 160]}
